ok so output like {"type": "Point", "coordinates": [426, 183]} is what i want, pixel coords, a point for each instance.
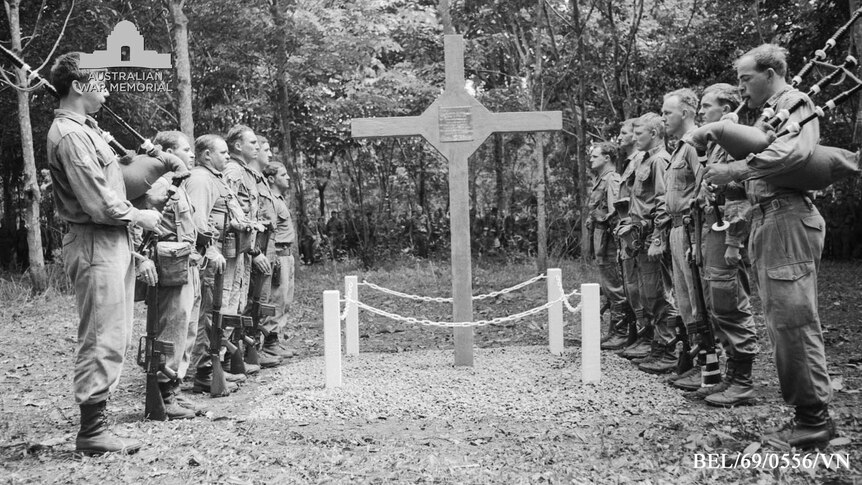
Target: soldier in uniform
{"type": "Point", "coordinates": [652, 260]}
{"type": "Point", "coordinates": [630, 158]}
{"type": "Point", "coordinates": [97, 250]}
{"type": "Point", "coordinates": [285, 241]}
{"type": "Point", "coordinates": [272, 352]}
{"type": "Point", "coordinates": [602, 220]}
{"type": "Point", "coordinates": [211, 199]}
{"type": "Point", "coordinates": [242, 179]}
{"type": "Point", "coordinates": [785, 246]}
{"type": "Point", "coordinates": [176, 303]}
{"type": "Point", "coordinates": [725, 276]}
{"type": "Point", "coordinates": [678, 112]}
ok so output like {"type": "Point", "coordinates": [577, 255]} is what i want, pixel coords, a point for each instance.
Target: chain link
{"type": "Point", "coordinates": [437, 299]}
{"type": "Point", "coordinates": [569, 307]}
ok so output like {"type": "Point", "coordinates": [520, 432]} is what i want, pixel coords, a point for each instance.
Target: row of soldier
{"type": "Point", "coordinates": [675, 233]}
{"type": "Point", "coordinates": [210, 246]}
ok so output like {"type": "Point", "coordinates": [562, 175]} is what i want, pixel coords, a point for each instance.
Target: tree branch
{"type": "Point", "coordinates": [36, 25]}
{"type": "Point", "coordinates": [57, 42]}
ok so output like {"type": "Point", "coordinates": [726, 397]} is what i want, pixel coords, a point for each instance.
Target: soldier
{"type": "Point", "coordinates": [630, 158]}
{"type": "Point", "coordinates": [211, 199]}
{"type": "Point", "coordinates": [284, 240]}
{"type": "Point", "coordinates": [97, 250]}
{"type": "Point", "coordinates": [242, 179]}
{"type": "Point", "coordinates": [602, 221]}
{"type": "Point", "coordinates": [785, 247]}
{"type": "Point", "coordinates": [678, 112]}
{"type": "Point", "coordinates": [726, 286]}
{"type": "Point", "coordinates": [176, 303]}
{"type": "Point", "coordinates": [272, 352]}
{"type": "Point", "coordinates": [652, 260]}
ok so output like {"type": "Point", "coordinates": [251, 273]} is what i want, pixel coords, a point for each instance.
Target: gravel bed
{"type": "Point", "coordinates": [524, 383]}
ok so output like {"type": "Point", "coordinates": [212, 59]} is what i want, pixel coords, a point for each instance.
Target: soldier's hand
{"type": "Point", "coordinates": [732, 256]}
{"type": "Point", "coordinates": [718, 174]}
{"type": "Point", "coordinates": [219, 262]}
{"type": "Point", "coordinates": [147, 272]}
{"type": "Point", "coordinates": [149, 219]}
{"type": "Point", "coordinates": [261, 264]}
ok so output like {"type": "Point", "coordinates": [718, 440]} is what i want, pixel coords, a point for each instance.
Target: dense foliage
{"type": "Point", "coordinates": [336, 60]}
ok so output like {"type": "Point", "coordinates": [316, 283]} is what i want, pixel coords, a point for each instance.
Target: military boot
{"type": "Point", "coordinates": [690, 380]}
{"type": "Point", "coordinates": [172, 409]}
{"type": "Point", "coordinates": [654, 353]}
{"type": "Point", "coordinates": [95, 438]}
{"type": "Point", "coordinates": [704, 391]}
{"type": "Point", "coordinates": [741, 388]}
{"type": "Point", "coordinates": [664, 362]}
{"type": "Point", "coordinates": [274, 347]}
{"type": "Point", "coordinates": [811, 428]}
{"type": "Point", "coordinates": [642, 346]}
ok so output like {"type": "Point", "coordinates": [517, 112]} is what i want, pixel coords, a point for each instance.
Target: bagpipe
{"type": "Point", "coordinates": [141, 169]}
{"type": "Point", "coordinates": [826, 164]}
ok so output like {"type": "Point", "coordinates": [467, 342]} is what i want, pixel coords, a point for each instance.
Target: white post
{"type": "Point", "coordinates": [555, 313]}
{"type": "Point", "coordinates": [332, 337]}
{"type": "Point", "coordinates": [351, 329]}
{"type": "Point", "coordinates": [591, 331]}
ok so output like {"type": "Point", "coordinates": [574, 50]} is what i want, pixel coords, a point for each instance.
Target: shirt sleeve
{"type": "Point", "coordinates": [785, 154]}
{"type": "Point", "coordinates": [202, 199]}
{"type": "Point", "coordinates": [613, 193]}
{"type": "Point", "coordinates": [661, 219]}
{"type": "Point", "coordinates": [85, 173]}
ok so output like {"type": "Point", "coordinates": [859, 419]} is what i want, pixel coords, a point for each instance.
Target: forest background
{"type": "Point", "coordinates": [297, 71]}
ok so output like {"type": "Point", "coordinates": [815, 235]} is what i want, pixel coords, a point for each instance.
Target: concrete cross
{"type": "Point", "coordinates": [456, 124]}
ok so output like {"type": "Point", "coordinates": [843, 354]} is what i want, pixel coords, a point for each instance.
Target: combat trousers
{"type": "Point", "coordinates": [787, 236]}
{"type": "Point", "coordinates": [727, 290]}
{"type": "Point", "coordinates": [655, 287]}
{"type": "Point", "coordinates": [281, 296]}
{"type": "Point", "coordinates": [605, 252]}
{"type": "Point", "coordinates": [236, 279]}
{"type": "Point", "coordinates": [98, 261]}
{"type": "Point", "coordinates": [632, 285]}
{"type": "Point", "coordinates": [683, 283]}
{"type": "Point", "coordinates": [175, 321]}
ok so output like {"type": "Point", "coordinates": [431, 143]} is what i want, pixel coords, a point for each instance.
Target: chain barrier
{"type": "Point", "coordinates": [569, 307]}
{"type": "Point", "coordinates": [477, 323]}
{"type": "Point", "coordinates": [437, 299]}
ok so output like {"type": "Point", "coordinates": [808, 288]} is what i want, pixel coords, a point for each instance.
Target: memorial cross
{"type": "Point", "coordinates": [456, 124]}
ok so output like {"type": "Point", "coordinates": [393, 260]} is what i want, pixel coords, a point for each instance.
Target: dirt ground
{"type": "Point", "coordinates": [406, 415]}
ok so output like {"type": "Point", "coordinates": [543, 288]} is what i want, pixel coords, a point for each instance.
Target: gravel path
{"type": "Point", "coordinates": [514, 382]}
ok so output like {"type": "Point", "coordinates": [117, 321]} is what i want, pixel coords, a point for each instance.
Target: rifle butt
{"type": "Point", "coordinates": [237, 364]}
{"type": "Point", "coordinates": [154, 406]}
{"type": "Point", "coordinates": [218, 388]}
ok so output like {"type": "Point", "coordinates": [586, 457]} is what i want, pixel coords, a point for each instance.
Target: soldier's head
{"type": "Point", "coordinates": [648, 131]}
{"type": "Point", "coordinates": [678, 111]}
{"type": "Point", "coordinates": [761, 73]}
{"type": "Point", "coordinates": [211, 151]}
{"type": "Point", "coordinates": [78, 88]}
{"type": "Point", "coordinates": [176, 143]}
{"type": "Point", "coordinates": [718, 100]}
{"type": "Point", "coordinates": [277, 176]}
{"type": "Point", "coordinates": [265, 153]}
{"type": "Point", "coordinates": [242, 142]}
{"type": "Point", "coordinates": [602, 155]}
{"type": "Point", "coordinates": [626, 137]}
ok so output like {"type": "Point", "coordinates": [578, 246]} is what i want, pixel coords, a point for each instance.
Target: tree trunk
{"type": "Point", "coordinates": [33, 195]}
{"type": "Point", "coordinates": [580, 196]}
{"type": "Point", "coordinates": [856, 35]}
{"type": "Point", "coordinates": [539, 151]}
{"type": "Point", "coordinates": [499, 172]}
{"type": "Point", "coordinates": [445, 17]}
{"type": "Point", "coordinates": [180, 32]}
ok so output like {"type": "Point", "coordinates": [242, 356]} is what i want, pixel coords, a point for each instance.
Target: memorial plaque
{"type": "Point", "coordinates": [456, 123]}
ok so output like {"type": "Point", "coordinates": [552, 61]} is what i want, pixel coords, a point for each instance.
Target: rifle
{"type": "Point", "coordinates": [705, 350]}
{"type": "Point", "coordinates": [219, 383]}
{"type": "Point", "coordinates": [685, 361]}
{"type": "Point", "coordinates": [151, 351]}
{"type": "Point", "coordinates": [255, 309]}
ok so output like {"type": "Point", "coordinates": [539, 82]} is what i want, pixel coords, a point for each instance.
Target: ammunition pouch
{"type": "Point", "coordinates": [245, 241]}
{"type": "Point", "coordinates": [173, 267]}
{"type": "Point", "coordinates": [276, 273]}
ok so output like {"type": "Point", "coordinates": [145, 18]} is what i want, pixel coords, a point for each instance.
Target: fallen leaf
{"type": "Point", "coordinates": [751, 448]}
{"type": "Point", "coordinates": [842, 441]}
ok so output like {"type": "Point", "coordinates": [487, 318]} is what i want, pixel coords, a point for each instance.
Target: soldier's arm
{"type": "Point", "coordinates": [784, 154]}
{"type": "Point", "coordinates": [202, 197]}
{"type": "Point", "coordinates": [84, 171]}
{"type": "Point", "coordinates": [613, 192]}
{"type": "Point", "coordinates": [661, 219]}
